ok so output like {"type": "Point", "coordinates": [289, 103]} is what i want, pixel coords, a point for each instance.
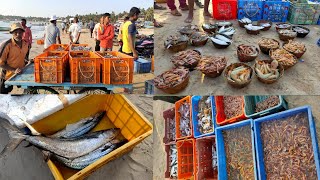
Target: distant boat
{"type": "Point", "coordinates": [4, 28]}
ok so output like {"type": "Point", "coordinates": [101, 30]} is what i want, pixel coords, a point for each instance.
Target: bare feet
{"type": "Point", "coordinates": [189, 19]}
{"type": "Point", "coordinates": [176, 13]}
{"type": "Point", "coordinates": [207, 14]}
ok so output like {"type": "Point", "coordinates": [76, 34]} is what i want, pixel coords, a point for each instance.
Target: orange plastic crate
{"type": "Point", "coordinates": [117, 70]}
{"type": "Point", "coordinates": [75, 45]}
{"type": "Point", "coordinates": [84, 67]}
{"type": "Point", "coordinates": [203, 159]}
{"type": "Point", "coordinates": [221, 117]}
{"type": "Point", "coordinates": [56, 47]}
{"type": "Point", "coordinates": [186, 151]}
{"type": "Point", "coordinates": [177, 106]}
{"type": "Point", "coordinates": [50, 70]}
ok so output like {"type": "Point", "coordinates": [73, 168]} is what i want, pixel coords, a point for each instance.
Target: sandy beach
{"type": "Point", "coordinates": [301, 79]}
{"type": "Point", "coordinates": [138, 79]}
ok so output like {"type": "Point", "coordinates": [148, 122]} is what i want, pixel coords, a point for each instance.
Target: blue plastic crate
{"type": "Point", "coordinates": [277, 116]}
{"type": "Point", "coordinates": [250, 105]}
{"type": "Point", "coordinates": [251, 9]}
{"type": "Point", "coordinates": [318, 21]}
{"type": "Point", "coordinates": [148, 87]}
{"type": "Point", "coordinates": [142, 66]}
{"type": "Point", "coordinates": [222, 166]}
{"type": "Point", "coordinates": [194, 103]}
{"type": "Point", "coordinates": [276, 11]}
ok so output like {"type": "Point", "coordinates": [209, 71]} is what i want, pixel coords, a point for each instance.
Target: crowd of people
{"type": "Point", "coordinates": [14, 53]}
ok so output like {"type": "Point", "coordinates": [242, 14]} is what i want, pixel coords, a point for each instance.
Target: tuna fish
{"type": "Point", "coordinates": [79, 128]}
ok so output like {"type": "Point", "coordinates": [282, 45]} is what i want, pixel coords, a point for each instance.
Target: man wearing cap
{"type": "Point", "coordinates": [75, 31]}
{"type": "Point", "coordinates": [12, 56]}
{"type": "Point", "coordinates": [52, 33]}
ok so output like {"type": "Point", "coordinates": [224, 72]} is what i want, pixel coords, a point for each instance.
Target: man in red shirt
{"type": "Point", "coordinates": [106, 34]}
{"type": "Point", "coordinates": [27, 36]}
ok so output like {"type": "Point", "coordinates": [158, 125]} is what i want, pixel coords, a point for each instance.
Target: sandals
{"type": "Point", "coordinates": [175, 13]}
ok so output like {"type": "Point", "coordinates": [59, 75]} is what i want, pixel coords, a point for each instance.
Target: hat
{"type": "Point", "coordinates": [53, 18]}
{"type": "Point", "coordinates": [16, 26]}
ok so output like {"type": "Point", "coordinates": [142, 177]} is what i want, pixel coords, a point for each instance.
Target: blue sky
{"type": "Point", "coordinates": [45, 8]}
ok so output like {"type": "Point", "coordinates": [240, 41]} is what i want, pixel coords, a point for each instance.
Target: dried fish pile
{"type": "Point", "coordinates": [264, 24]}
{"type": "Point", "coordinates": [288, 152]}
{"type": "Point", "coordinates": [238, 148]}
{"type": "Point", "coordinates": [172, 129]}
{"type": "Point", "coordinates": [283, 57]}
{"type": "Point", "coordinates": [214, 157]}
{"type": "Point", "coordinates": [268, 43]}
{"type": "Point", "coordinates": [197, 36]}
{"type": "Point", "coordinates": [232, 106]}
{"type": "Point", "coordinates": [283, 26]}
{"type": "Point", "coordinates": [287, 32]}
{"type": "Point", "coordinates": [184, 111]}
{"type": "Point", "coordinates": [267, 71]}
{"type": "Point", "coordinates": [173, 161]}
{"type": "Point", "coordinates": [174, 40]}
{"type": "Point", "coordinates": [186, 58]}
{"type": "Point", "coordinates": [270, 102]}
{"type": "Point", "coordinates": [211, 64]}
{"type": "Point", "coordinates": [240, 74]}
{"type": "Point", "coordinates": [109, 56]}
{"type": "Point", "coordinates": [171, 78]}
{"type": "Point", "coordinates": [299, 30]}
{"type": "Point", "coordinates": [60, 49]}
{"type": "Point", "coordinates": [209, 26]}
{"type": "Point", "coordinates": [295, 47]}
{"type": "Point", "coordinates": [80, 48]}
{"type": "Point", "coordinates": [189, 29]}
{"type": "Point", "coordinates": [204, 115]}
{"type": "Point", "coordinates": [227, 31]}
{"type": "Point", "coordinates": [247, 50]}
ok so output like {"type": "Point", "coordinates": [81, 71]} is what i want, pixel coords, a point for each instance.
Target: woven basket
{"type": "Point", "coordinates": [235, 84]}
{"type": "Point", "coordinates": [286, 38]}
{"type": "Point", "coordinates": [199, 43]}
{"type": "Point", "coordinates": [219, 46]}
{"type": "Point", "coordinates": [209, 31]}
{"type": "Point", "coordinates": [264, 21]}
{"type": "Point", "coordinates": [280, 68]}
{"type": "Point", "coordinates": [277, 28]}
{"type": "Point", "coordinates": [245, 58]}
{"type": "Point", "coordinates": [285, 67]}
{"type": "Point", "coordinates": [301, 35]}
{"type": "Point", "coordinates": [298, 55]}
{"type": "Point", "coordinates": [213, 74]}
{"type": "Point", "coordinates": [266, 50]}
{"type": "Point", "coordinates": [179, 47]}
{"type": "Point", "coordinates": [254, 32]}
{"type": "Point", "coordinates": [178, 88]}
{"type": "Point", "coordinates": [241, 24]}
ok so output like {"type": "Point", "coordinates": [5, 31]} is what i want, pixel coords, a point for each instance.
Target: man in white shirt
{"type": "Point", "coordinates": [52, 33]}
{"type": "Point", "coordinates": [75, 31]}
{"type": "Point", "coordinates": [95, 34]}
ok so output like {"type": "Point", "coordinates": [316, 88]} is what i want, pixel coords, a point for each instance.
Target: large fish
{"type": "Point", "coordinates": [84, 161]}
{"type": "Point", "coordinates": [79, 128]}
{"type": "Point", "coordinates": [69, 148]}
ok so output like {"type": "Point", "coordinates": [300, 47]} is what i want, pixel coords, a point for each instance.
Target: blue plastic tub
{"type": "Point", "coordinates": [148, 87]}
{"type": "Point", "coordinates": [251, 9]}
{"type": "Point", "coordinates": [277, 116]}
{"type": "Point", "coordinates": [250, 105]}
{"type": "Point", "coordinates": [194, 103]}
{"type": "Point", "coordinates": [276, 11]}
{"type": "Point", "coordinates": [222, 166]}
{"type": "Point", "coordinates": [142, 66]}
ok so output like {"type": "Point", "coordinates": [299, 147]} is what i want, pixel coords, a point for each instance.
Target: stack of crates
{"type": "Point", "coordinates": [251, 9]}
{"type": "Point", "coordinates": [224, 9]}
{"type": "Point", "coordinates": [276, 10]}
{"type": "Point", "coordinates": [142, 66]}
{"type": "Point", "coordinates": [304, 12]}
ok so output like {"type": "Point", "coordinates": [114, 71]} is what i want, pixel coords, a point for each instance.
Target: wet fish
{"type": "Point", "coordinates": [79, 128]}
{"type": "Point", "coordinates": [69, 148]}
{"type": "Point", "coordinates": [84, 161]}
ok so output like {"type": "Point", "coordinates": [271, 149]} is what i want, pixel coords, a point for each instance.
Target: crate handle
{"type": "Point", "coordinates": [82, 72]}
{"type": "Point", "coordinates": [182, 143]}
{"type": "Point", "coordinates": [117, 72]}
{"type": "Point", "coordinates": [40, 62]}
{"type": "Point", "coordinates": [247, 12]}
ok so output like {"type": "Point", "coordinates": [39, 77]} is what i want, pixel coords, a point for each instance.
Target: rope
{"type": "Point", "coordinates": [82, 72]}
{"type": "Point", "coordinates": [245, 9]}
{"type": "Point", "coordinates": [128, 72]}
{"type": "Point", "coordinates": [40, 62]}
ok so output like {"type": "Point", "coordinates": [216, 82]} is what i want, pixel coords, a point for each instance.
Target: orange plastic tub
{"type": "Point", "coordinates": [117, 70]}
{"type": "Point", "coordinates": [57, 47]}
{"type": "Point", "coordinates": [186, 159]}
{"type": "Point", "coordinates": [84, 67]}
{"type": "Point", "coordinates": [177, 106]}
{"type": "Point", "coordinates": [221, 117]}
{"type": "Point", "coordinates": [50, 69]}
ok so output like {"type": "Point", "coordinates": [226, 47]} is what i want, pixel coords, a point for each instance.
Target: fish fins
{"type": "Point", "coordinates": [46, 155]}
{"type": "Point", "coordinates": [33, 131]}
{"type": "Point", "coordinates": [16, 137]}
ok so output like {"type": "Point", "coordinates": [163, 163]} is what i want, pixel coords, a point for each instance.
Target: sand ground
{"type": "Point", "coordinates": [28, 163]}
{"type": "Point", "coordinates": [138, 79]}
{"type": "Point", "coordinates": [302, 79]}
{"type": "Point", "coordinates": [159, 165]}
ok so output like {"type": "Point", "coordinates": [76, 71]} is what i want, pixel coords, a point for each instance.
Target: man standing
{"type": "Point", "coordinates": [52, 33]}
{"type": "Point", "coordinates": [120, 33]}
{"type": "Point", "coordinates": [106, 34]}
{"type": "Point", "coordinates": [27, 36]}
{"type": "Point", "coordinates": [75, 31]}
{"type": "Point", "coordinates": [95, 34]}
{"type": "Point", "coordinates": [91, 27]}
{"type": "Point", "coordinates": [12, 56]}
{"type": "Point", "coordinates": [129, 32]}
